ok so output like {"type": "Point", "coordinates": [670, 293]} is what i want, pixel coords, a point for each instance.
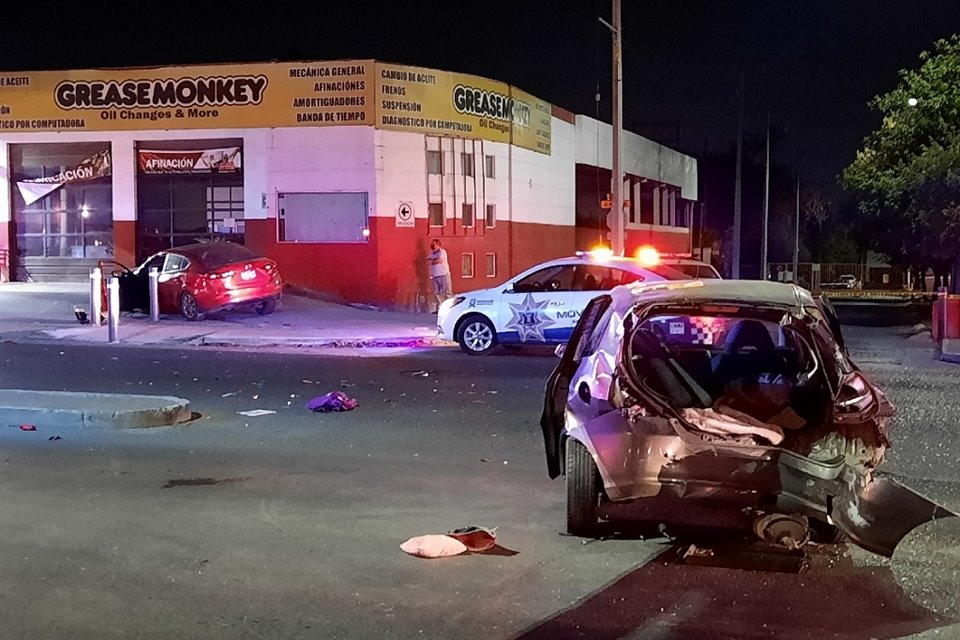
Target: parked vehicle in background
{"type": "Point", "coordinates": [542, 304]}
{"type": "Point", "coordinates": [846, 281]}
{"type": "Point", "coordinates": [198, 279]}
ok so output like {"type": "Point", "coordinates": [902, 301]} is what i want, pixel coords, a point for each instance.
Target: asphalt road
{"type": "Point", "coordinates": [288, 525]}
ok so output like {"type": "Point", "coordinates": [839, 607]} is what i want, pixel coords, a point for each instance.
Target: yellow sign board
{"type": "Point", "coordinates": [312, 94]}
{"type": "Point", "coordinates": [201, 97]}
{"type": "Point", "coordinates": [445, 103]}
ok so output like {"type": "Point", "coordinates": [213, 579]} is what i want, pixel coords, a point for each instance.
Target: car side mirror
{"type": "Point", "coordinates": [560, 349]}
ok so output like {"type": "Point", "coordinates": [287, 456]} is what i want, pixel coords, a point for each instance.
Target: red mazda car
{"type": "Point", "coordinates": [198, 279]}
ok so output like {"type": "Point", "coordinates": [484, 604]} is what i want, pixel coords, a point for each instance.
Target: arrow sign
{"type": "Point", "coordinates": [405, 215]}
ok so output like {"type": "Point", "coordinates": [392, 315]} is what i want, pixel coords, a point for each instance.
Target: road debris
{"type": "Point", "coordinates": [433, 546]}
{"type": "Point", "coordinates": [419, 373]}
{"type": "Point", "coordinates": [254, 413]}
{"type": "Point", "coordinates": [28, 427]}
{"type": "Point", "coordinates": [333, 401]}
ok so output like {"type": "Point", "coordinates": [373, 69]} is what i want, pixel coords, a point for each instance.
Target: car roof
{"type": "Point", "coordinates": [778, 294]}
{"type": "Point", "coordinates": [627, 264]}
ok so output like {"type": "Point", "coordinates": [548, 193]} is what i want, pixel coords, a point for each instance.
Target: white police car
{"type": "Point", "coordinates": [542, 304]}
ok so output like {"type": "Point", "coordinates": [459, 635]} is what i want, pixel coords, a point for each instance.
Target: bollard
{"type": "Point", "coordinates": [96, 293]}
{"type": "Point", "coordinates": [154, 294]}
{"type": "Point", "coordinates": [113, 308]}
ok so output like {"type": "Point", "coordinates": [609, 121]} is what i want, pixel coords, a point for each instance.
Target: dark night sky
{"type": "Point", "coordinates": [814, 63]}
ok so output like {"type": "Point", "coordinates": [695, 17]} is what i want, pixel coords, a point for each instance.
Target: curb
{"type": "Point", "coordinates": [69, 409]}
{"type": "Point", "coordinates": [335, 343]}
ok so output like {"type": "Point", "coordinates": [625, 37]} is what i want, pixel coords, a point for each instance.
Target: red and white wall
{"type": "Point", "coordinates": [534, 198]}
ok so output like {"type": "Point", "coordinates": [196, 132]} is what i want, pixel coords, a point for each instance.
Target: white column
{"type": "Point", "coordinates": [124, 178]}
{"type": "Point", "coordinates": [6, 201]}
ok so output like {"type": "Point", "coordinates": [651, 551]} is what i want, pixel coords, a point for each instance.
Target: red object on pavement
{"type": "Point", "coordinates": [950, 317]}
{"type": "Point", "coordinates": [28, 427]}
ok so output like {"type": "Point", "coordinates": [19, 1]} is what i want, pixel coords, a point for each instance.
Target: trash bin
{"type": "Point", "coordinates": [950, 317]}
{"type": "Point", "coordinates": [936, 320]}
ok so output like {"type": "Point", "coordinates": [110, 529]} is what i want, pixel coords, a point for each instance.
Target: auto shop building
{"type": "Point", "coordinates": [340, 170]}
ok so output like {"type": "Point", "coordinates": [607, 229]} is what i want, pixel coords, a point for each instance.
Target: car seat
{"type": "Point", "coordinates": [748, 352]}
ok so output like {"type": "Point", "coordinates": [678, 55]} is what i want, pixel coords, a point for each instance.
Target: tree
{"type": "Point", "coordinates": [907, 176]}
{"type": "Point", "coordinates": [816, 210]}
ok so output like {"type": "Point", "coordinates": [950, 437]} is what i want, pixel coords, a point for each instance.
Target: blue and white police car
{"type": "Point", "coordinates": [542, 304]}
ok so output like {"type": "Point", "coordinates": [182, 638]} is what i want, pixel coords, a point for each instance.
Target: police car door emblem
{"type": "Point", "coordinates": [529, 319]}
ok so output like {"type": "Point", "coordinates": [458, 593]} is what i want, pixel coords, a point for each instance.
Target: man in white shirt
{"type": "Point", "coordinates": [439, 272]}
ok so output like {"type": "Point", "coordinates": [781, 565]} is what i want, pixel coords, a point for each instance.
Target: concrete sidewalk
{"type": "Point", "coordinates": [44, 311]}
{"type": "Point", "coordinates": [71, 410]}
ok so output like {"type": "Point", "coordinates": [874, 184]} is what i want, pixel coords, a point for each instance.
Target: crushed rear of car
{"type": "Point", "coordinates": [730, 403]}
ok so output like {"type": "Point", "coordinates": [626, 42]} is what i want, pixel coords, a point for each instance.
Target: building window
{"type": "Point", "coordinates": [490, 166]}
{"type": "Point", "coordinates": [435, 214]}
{"type": "Point", "coordinates": [466, 265]}
{"type": "Point", "coordinates": [467, 162]}
{"type": "Point", "coordinates": [683, 213]}
{"type": "Point", "coordinates": [62, 199]}
{"type": "Point", "coordinates": [467, 215]}
{"type": "Point", "coordinates": [491, 265]}
{"type": "Point", "coordinates": [323, 217]}
{"type": "Point", "coordinates": [491, 219]}
{"type": "Point", "coordinates": [434, 163]}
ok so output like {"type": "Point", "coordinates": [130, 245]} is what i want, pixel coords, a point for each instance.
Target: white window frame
{"type": "Point", "coordinates": [443, 214]}
{"type": "Point", "coordinates": [491, 259]}
{"type": "Point", "coordinates": [490, 167]}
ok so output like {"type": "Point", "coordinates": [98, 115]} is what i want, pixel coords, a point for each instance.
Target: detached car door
{"type": "Point", "coordinates": [558, 384]}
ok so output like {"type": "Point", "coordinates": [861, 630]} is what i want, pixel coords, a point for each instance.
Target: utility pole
{"type": "Point", "coordinates": [616, 186]}
{"type": "Point", "coordinates": [796, 238]}
{"type": "Point", "coordinates": [766, 208]}
{"type": "Point", "coordinates": [736, 194]}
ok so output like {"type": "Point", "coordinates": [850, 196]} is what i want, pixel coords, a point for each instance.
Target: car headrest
{"type": "Point", "coordinates": [749, 336]}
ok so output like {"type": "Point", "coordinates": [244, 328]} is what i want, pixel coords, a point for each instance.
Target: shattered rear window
{"type": "Point", "coordinates": [696, 361]}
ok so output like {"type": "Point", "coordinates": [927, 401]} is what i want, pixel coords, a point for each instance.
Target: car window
{"type": "Point", "coordinates": [707, 273]}
{"type": "Point", "coordinates": [672, 272]}
{"type": "Point", "coordinates": [555, 278]}
{"type": "Point", "coordinates": [689, 270]}
{"type": "Point", "coordinates": [218, 254]}
{"type": "Point", "coordinates": [174, 263]}
{"type": "Point", "coordinates": [595, 277]}
{"type": "Point", "coordinates": [155, 261]}
{"type": "Point", "coordinates": [590, 328]}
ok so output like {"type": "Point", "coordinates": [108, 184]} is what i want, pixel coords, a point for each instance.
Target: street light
{"type": "Point", "coordinates": [912, 102]}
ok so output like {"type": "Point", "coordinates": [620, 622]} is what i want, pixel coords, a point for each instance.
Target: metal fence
{"type": "Point", "coordinates": [818, 276]}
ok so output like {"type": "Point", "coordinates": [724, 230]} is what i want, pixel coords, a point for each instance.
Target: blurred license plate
{"type": "Point", "coordinates": [249, 274]}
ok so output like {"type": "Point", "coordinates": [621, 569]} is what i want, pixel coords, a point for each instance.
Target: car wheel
{"type": "Point", "coordinates": [189, 307]}
{"type": "Point", "coordinates": [477, 336]}
{"type": "Point", "coordinates": [267, 307]}
{"type": "Point", "coordinates": [583, 491]}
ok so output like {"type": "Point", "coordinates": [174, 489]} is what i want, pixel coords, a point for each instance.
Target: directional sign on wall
{"type": "Point", "coordinates": [405, 215]}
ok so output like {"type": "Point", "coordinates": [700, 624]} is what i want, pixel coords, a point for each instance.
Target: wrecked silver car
{"type": "Point", "coordinates": [730, 403]}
